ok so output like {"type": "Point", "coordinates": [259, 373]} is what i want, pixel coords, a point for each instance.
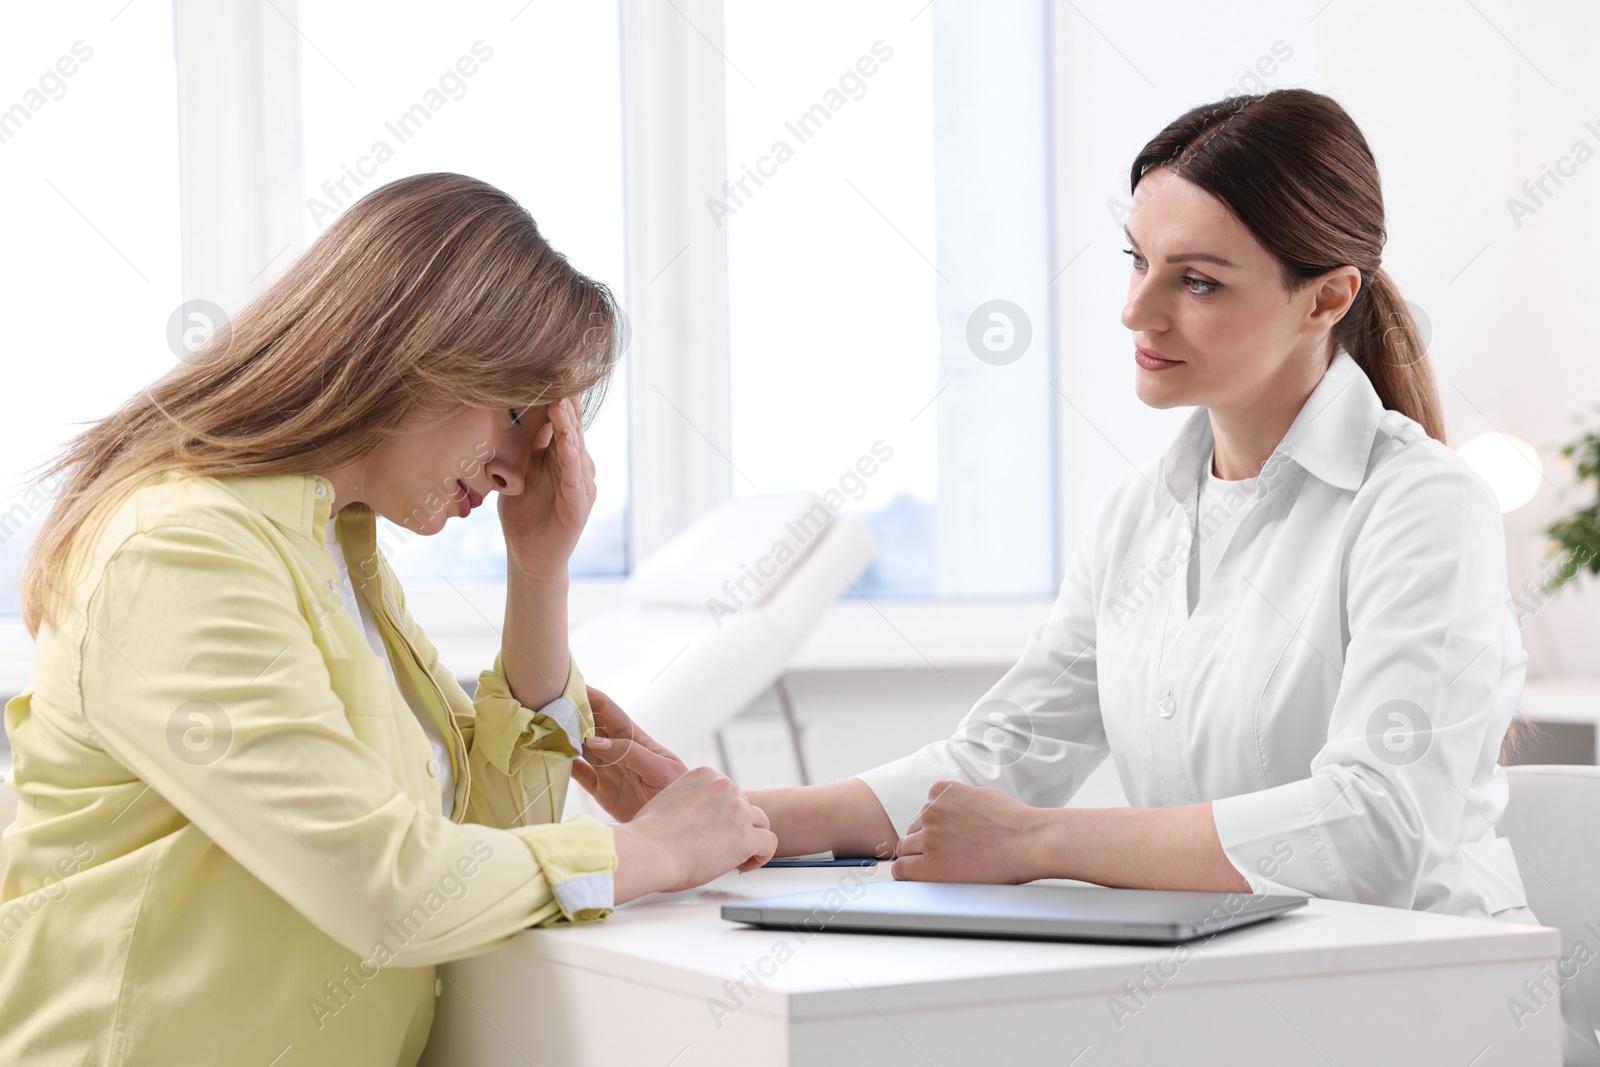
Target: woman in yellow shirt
{"type": "Point", "coordinates": [256, 810]}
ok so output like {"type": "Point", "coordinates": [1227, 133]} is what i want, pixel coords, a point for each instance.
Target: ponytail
{"type": "Point", "coordinates": [1383, 339]}
{"type": "Point", "coordinates": [1517, 731]}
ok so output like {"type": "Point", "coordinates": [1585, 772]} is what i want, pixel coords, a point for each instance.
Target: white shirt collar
{"type": "Point", "coordinates": [1331, 437]}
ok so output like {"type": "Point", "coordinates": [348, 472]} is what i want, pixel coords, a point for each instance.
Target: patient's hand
{"type": "Point", "coordinates": [969, 834]}
{"type": "Point", "coordinates": [621, 766]}
{"type": "Point", "coordinates": [542, 523]}
{"type": "Point", "coordinates": [697, 828]}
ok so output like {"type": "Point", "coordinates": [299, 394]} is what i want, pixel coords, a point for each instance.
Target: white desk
{"type": "Point", "coordinates": [1330, 983]}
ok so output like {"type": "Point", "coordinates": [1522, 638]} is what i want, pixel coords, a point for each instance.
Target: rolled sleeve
{"type": "Point", "coordinates": [578, 858]}
{"type": "Point", "coordinates": [1270, 838]}
{"type": "Point", "coordinates": [902, 786]}
{"type": "Point", "coordinates": [509, 734]}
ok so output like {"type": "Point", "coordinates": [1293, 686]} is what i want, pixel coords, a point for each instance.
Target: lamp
{"type": "Point", "coordinates": [1509, 464]}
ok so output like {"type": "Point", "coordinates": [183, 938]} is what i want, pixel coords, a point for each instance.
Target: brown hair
{"type": "Point", "coordinates": [1294, 168]}
{"type": "Point", "coordinates": [430, 295]}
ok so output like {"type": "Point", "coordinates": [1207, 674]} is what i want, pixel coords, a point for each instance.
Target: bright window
{"type": "Point", "coordinates": [864, 257]}
{"type": "Point", "coordinates": [89, 171]}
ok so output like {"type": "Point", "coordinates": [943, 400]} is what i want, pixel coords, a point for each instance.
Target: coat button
{"type": "Point", "coordinates": [433, 768]}
{"type": "Point", "coordinates": [1167, 706]}
{"type": "Point", "coordinates": [321, 491]}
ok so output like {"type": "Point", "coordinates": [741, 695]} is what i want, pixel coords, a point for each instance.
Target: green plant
{"type": "Point", "coordinates": [1576, 537]}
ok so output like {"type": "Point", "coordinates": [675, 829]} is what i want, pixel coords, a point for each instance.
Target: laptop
{"type": "Point", "coordinates": [1033, 912]}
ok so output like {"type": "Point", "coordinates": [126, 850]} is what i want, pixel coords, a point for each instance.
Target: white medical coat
{"type": "Point", "coordinates": [1339, 691]}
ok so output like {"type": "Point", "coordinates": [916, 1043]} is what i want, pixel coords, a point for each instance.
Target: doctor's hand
{"type": "Point", "coordinates": [542, 523]}
{"type": "Point", "coordinates": [621, 766]}
{"type": "Point", "coordinates": [969, 834]}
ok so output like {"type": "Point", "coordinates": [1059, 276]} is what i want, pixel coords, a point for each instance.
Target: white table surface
{"type": "Point", "coordinates": [1330, 983]}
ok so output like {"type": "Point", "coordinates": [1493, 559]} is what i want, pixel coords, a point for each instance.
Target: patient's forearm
{"type": "Point", "coordinates": [842, 817]}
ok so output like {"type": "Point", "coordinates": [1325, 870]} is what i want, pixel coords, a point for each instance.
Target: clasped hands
{"type": "Point", "coordinates": [689, 825]}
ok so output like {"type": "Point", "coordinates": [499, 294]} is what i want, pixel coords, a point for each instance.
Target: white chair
{"type": "Point", "coordinates": [710, 621]}
{"type": "Point", "coordinates": [1550, 821]}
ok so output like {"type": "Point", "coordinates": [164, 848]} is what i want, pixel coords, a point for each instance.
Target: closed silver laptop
{"type": "Point", "coordinates": [1037, 912]}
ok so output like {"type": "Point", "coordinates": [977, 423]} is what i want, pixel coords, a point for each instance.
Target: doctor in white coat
{"type": "Point", "coordinates": [1292, 633]}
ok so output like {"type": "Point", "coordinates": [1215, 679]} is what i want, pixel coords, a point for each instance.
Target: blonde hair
{"type": "Point", "coordinates": [430, 295]}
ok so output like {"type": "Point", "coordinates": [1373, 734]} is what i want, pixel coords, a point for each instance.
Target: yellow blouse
{"type": "Point", "coordinates": [230, 846]}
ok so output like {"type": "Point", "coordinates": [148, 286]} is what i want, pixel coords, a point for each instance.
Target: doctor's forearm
{"type": "Point", "coordinates": [842, 817]}
{"type": "Point", "coordinates": [1139, 848]}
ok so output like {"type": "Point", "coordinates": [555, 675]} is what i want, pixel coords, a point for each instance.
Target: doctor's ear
{"type": "Point", "coordinates": [1332, 295]}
